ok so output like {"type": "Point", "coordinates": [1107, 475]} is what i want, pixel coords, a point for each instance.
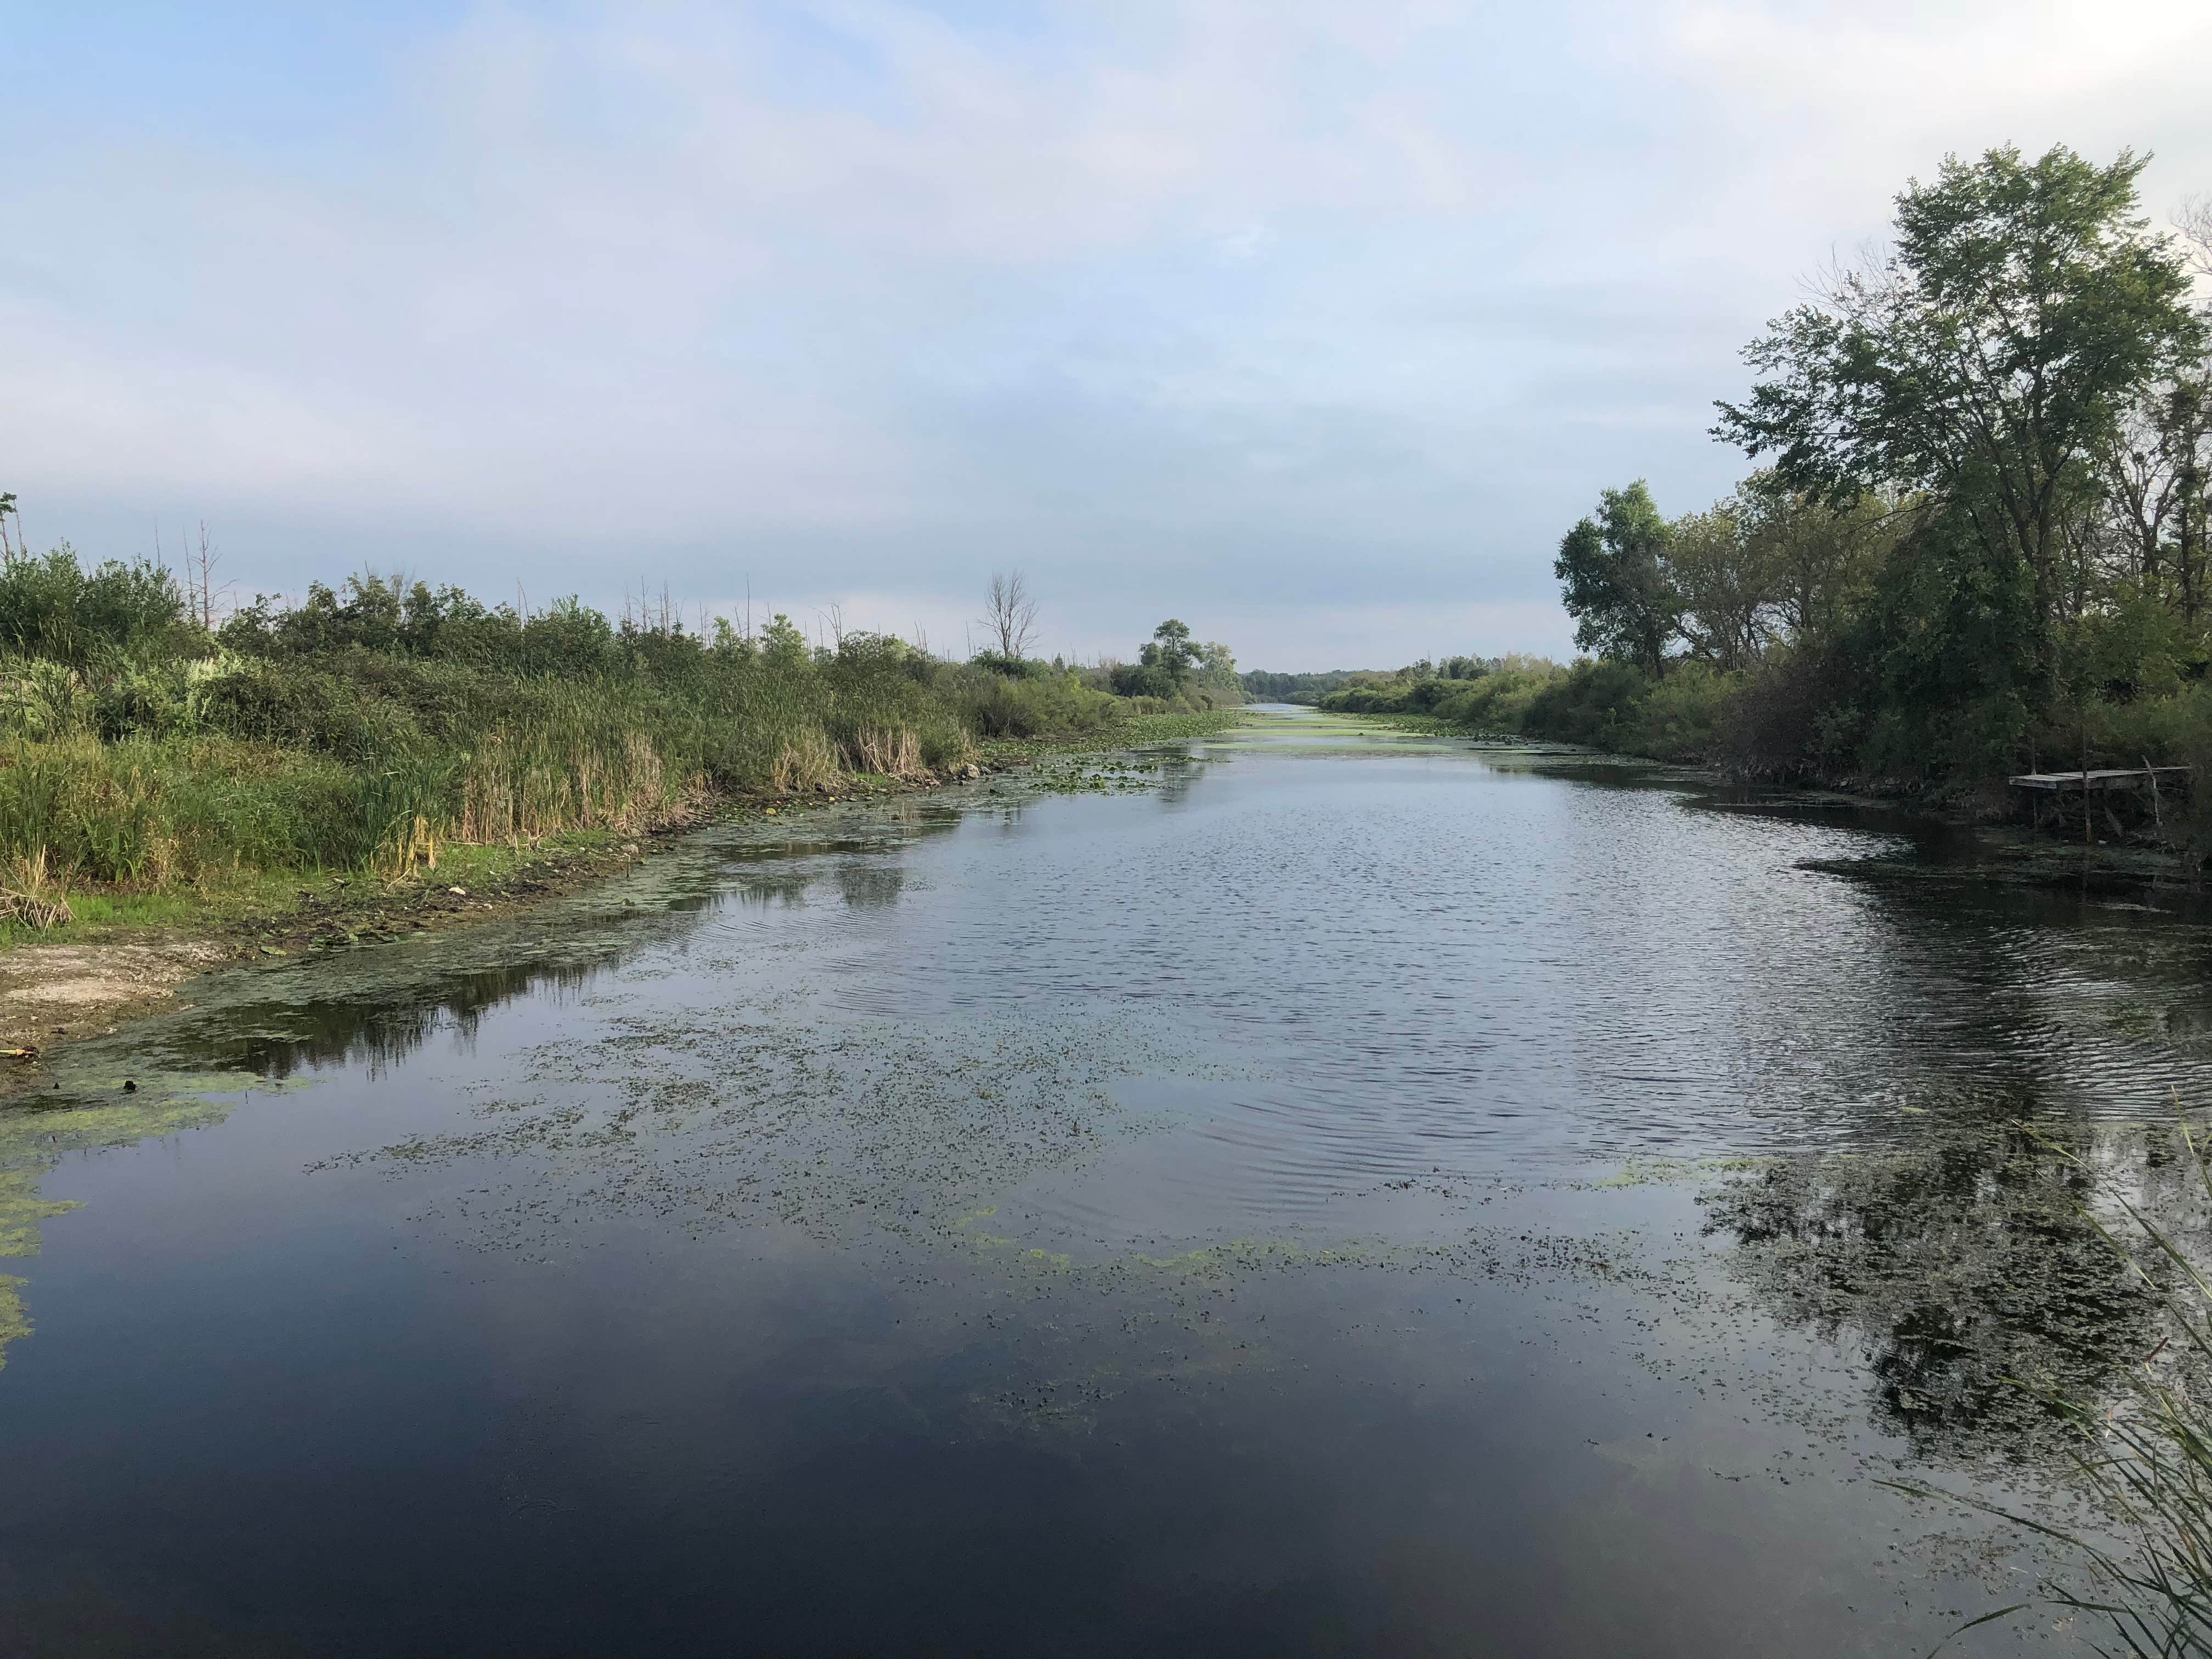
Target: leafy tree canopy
{"type": "Point", "coordinates": [1611, 569]}
{"type": "Point", "coordinates": [1986, 358]}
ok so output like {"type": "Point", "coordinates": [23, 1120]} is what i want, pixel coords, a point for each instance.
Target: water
{"type": "Point", "coordinates": [1280, 1197]}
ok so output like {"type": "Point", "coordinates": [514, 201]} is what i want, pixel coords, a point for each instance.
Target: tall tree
{"type": "Point", "coordinates": [2158, 482]}
{"type": "Point", "coordinates": [1217, 665]}
{"type": "Point", "coordinates": [1725, 575]}
{"type": "Point", "coordinates": [1171, 651]}
{"type": "Point", "coordinates": [1987, 358]}
{"type": "Point", "coordinates": [1011, 618]}
{"type": "Point", "coordinates": [1818, 559]}
{"type": "Point", "coordinates": [1611, 568]}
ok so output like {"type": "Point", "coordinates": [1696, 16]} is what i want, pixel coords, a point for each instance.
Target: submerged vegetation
{"type": "Point", "coordinates": [2023, 1294]}
{"type": "Point", "coordinates": [1977, 544]}
{"type": "Point", "coordinates": [144, 745]}
{"type": "Point", "coordinates": [2144, 1456]}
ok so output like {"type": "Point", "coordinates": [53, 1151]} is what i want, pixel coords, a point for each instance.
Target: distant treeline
{"type": "Point", "coordinates": [1310, 689]}
{"type": "Point", "coordinates": [1261, 686]}
{"type": "Point", "coordinates": [1979, 541]}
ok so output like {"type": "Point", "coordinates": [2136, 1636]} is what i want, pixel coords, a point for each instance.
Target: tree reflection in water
{"type": "Point", "coordinates": [1968, 1272]}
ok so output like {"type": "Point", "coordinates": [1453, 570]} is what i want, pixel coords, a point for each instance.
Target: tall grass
{"type": "Point", "coordinates": [363, 729]}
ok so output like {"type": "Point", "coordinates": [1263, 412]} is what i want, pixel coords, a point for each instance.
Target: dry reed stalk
{"type": "Point", "coordinates": [891, 751]}
{"type": "Point", "coordinates": [33, 911]}
{"type": "Point", "coordinates": [804, 762]}
{"type": "Point", "coordinates": [415, 846]}
{"type": "Point", "coordinates": [648, 777]}
{"type": "Point", "coordinates": [586, 766]}
{"type": "Point", "coordinates": [40, 904]}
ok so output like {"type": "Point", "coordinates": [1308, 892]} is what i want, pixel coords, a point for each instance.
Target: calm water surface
{"type": "Point", "coordinates": [1273, 1198]}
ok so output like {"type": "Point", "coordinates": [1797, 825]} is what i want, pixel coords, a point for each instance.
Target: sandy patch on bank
{"type": "Point", "coordinates": [50, 992]}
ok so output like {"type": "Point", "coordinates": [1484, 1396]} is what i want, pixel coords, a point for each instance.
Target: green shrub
{"type": "Point", "coordinates": [997, 706]}
{"type": "Point", "coordinates": [1592, 703]}
{"type": "Point", "coordinates": [54, 609]}
{"type": "Point", "coordinates": [365, 723]}
{"type": "Point", "coordinates": [1677, 718]}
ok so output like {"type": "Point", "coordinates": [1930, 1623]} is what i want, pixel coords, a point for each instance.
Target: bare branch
{"type": "Point", "coordinates": [1012, 618]}
{"type": "Point", "coordinates": [2195, 220]}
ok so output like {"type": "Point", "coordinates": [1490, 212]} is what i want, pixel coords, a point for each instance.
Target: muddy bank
{"type": "Point", "coordinates": [49, 993]}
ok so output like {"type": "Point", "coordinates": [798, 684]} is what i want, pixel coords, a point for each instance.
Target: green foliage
{"type": "Point", "coordinates": [1028, 707]}
{"type": "Point", "coordinates": [53, 608]}
{"type": "Point", "coordinates": [1216, 667]}
{"type": "Point", "coordinates": [374, 613]}
{"type": "Point", "coordinates": [1490, 694]}
{"type": "Point", "coordinates": [1380, 694]}
{"type": "Point", "coordinates": [1171, 649]}
{"type": "Point", "coordinates": [1678, 717]}
{"type": "Point", "coordinates": [1982, 541]}
{"type": "Point", "coordinates": [1144, 679]}
{"type": "Point", "coordinates": [1164, 665]}
{"type": "Point", "coordinates": [1613, 578]}
{"type": "Point", "coordinates": [1594, 703]}
{"type": "Point", "coordinates": [1497, 701]}
{"type": "Point", "coordinates": [1949, 634]}
{"type": "Point", "coordinates": [1263, 686]}
{"type": "Point", "coordinates": [1811, 561]}
{"type": "Point", "coordinates": [1988, 360]}
{"type": "Point", "coordinates": [1722, 571]}
{"type": "Point", "coordinates": [370, 722]}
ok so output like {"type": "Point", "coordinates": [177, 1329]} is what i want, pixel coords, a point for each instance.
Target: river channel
{"type": "Point", "coordinates": [1313, 1190]}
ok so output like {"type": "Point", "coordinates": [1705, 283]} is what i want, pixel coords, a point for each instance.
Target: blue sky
{"type": "Point", "coordinates": [1312, 325]}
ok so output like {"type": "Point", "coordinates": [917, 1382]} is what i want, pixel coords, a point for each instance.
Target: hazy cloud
{"type": "Point", "coordinates": [1310, 321]}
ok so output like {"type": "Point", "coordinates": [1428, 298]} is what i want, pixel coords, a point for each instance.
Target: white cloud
{"type": "Point", "coordinates": [1171, 304]}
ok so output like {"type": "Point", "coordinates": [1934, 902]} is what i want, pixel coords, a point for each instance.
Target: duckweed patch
{"type": "Point", "coordinates": [1672, 1171]}
{"type": "Point", "coordinates": [14, 1319]}
{"type": "Point", "coordinates": [22, 1210]}
{"type": "Point", "coordinates": [839, 1129]}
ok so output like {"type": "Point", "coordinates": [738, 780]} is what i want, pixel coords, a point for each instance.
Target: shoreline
{"type": "Point", "coordinates": [2007, 852]}
{"type": "Point", "coordinates": [99, 975]}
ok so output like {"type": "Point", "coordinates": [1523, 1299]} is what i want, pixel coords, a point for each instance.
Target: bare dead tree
{"type": "Point", "coordinates": [9, 550]}
{"type": "Point", "coordinates": [200, 564]}
{"type": "Point", "coordinates": [2195, 220]}
{"type": "Point", "coordinates": [1011, 616]}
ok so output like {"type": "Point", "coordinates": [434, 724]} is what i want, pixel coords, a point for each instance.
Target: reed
{"type": "Point", "coordinates": [365, 728]}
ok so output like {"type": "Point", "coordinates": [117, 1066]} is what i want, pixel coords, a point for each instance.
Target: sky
{"type": "Point", "coordinates": [1314, 325]}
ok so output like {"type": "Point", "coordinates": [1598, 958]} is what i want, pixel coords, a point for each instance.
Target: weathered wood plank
{"type": "Point", "coordinates": [2122, 777]}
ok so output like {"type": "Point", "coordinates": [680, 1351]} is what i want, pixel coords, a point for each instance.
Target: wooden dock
{"type": "Point", "coordinates": [2085, 783]}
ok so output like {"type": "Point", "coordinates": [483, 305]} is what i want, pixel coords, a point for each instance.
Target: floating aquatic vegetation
{"type": "Point", "coordinates": [1965, 1273]}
